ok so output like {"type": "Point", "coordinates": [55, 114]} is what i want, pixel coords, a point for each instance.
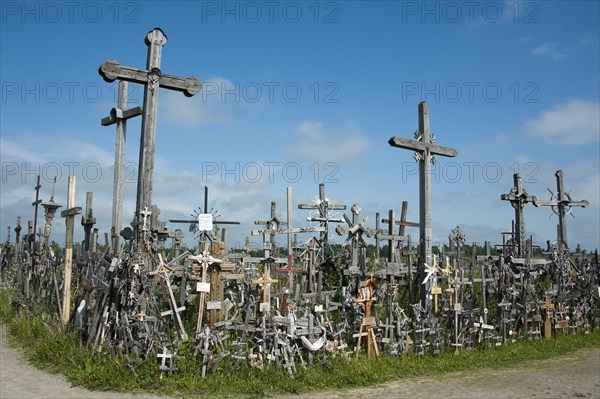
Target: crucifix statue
{"type": "Point", "coordinates": [518, 199]}
{"type": "Point", "coordinates": [425, 149]}
{"type": "Point", "coordinates": [152, 78]}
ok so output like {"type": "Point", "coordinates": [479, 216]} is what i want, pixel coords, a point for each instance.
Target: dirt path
{"type": "Point", "coordinates": [575, 375]}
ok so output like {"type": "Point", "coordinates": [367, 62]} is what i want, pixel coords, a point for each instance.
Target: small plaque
{"type": "Point", "coordinates": [369, 321]}
{"type": "Point", "coordinates": [203, 287]}
{"type": "Point", "coordinates": [213, 305]}
{"type": "Point", "coordinates": [205, 222]}
{"type": "Point", "coordinates": [436, 290]}
{"type": "Point", "coordinates": [318, 308]}
{"type": "Point", "coordinates": [562, 324]}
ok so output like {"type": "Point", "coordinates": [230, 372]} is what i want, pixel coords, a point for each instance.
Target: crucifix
{"type": "Point", "coordinates": [152, 78]}
{"type": "Point", "coordinates": [69, 215]}
{"type": "Point", "coordinates": [50, 209]}
{"type": "Point", "coordinates": [355, 230]}
{"type": "Point", "coordinates": [265, 282]}
{"type": "Point", "coordinates": [561, 204]}
{"type": "Point", "coordinates": [88, 220]}
{"type": "Point", "coordinates": [324, 207]}
{"type": "Point", "coordinates": [119, 117]}
{"type": "Point", "coordinates": [518, 199]}
{"type": "Point", "coordinates": [425, 149]}
{"type": "Point", "coordinates": [205, 222]}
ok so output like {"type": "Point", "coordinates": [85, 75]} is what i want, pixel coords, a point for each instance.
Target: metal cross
{"type": "Point", "coordinates": [151, 78]}
{"type": "Point", "coordinates": [424, 154]}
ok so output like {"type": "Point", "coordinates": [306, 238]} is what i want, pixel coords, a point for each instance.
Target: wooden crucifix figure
{"type": "Point", "coordinates": [152, 78]}
{"type": "Point", "coordinates": [518, 199]}
{"type": "Point", "coordinates": [425, 149]}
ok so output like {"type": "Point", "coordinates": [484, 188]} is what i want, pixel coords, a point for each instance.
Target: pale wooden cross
{"type": "Point", "coordinates": [265, 282]}
{"type": "Point", "coordinates": [425, 149]}
{"type": "Point", "coordinates": [152, 78]}
{"type": "Point", "coordinates": [69, 215]}
{"type": "Point", "coordinates": [518, 199]}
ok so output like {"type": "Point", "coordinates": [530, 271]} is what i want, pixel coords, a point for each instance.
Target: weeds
{"type": "Point", "coordinates": [48, 347]}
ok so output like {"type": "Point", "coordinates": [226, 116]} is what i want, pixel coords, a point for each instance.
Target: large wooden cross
{"type": "Point", "coordinates": [119, 116]}
{"type": "Point", "coordinates": [518, 199]}
{"type": "Point", "coordinates": [152, 78]}
{"type": "Point", "coordinates": [425, 149]}
{"type": "Point", "coordinates": [561, 204]}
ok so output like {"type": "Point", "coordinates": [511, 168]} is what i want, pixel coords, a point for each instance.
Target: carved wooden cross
{"type": "Point", "coordinates": [152, 78]}
{"type": "Point", "coordinates": [425, 149]}
{"type": "Point", "coordinates": [548, 306]}
{"type": "Point", "coordinates": [561, 204]}
{"type": "Point", "coordinates": [265, 282]}
{"type": "Point", "coordinates": [119, 116]}
{"type": "Point", "coordinates": [518, 199]}
{"type": "Point", "coordinates": [69, 215]}
{"type": "Point", "coordinates": [365, 300]}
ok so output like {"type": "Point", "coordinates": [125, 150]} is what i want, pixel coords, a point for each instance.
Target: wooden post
{"type": "Point", "coordinates": [69, 215]}
{"type": "Point", "coordinates": [119, 116]}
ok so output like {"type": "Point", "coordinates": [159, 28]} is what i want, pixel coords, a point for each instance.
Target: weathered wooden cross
{"type": "Point", "coordinates": [425, 149]}
{"type": "Point", "coordinates": [152, 78]}
{"type": "Point", "coordinates": [119, 116]}
{"type": "Point", "coordinates": [561, 204]}
{"type": "Point", "coordinates": [518, 199]}
{"type": "Point", "coordinates": [69, 215]}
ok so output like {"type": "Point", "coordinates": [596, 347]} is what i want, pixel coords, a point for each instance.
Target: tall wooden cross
{"type": "Point", "coordinates": [119, 116]}
{"type": "Point", "coordinates": [69, 215]}
{"type": "Point", "coordinates": [518, 199]}
{"type": "Point", "coordinates": [561, 204]}
{"type": "Point", "coordinates": [425, 149]}
{"type": "Point", "coordinates": [152, 78]}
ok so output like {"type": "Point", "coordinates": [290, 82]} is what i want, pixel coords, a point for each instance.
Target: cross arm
{"type": "Point", "coordinates": [401, 223]}
{"type": "Point", "coordinates": [116, 114]}
{"type": "Point", "coordinates": [582, 204]}
{"type": "Point", "coordinates": [415, 145]}
{"type": "Point", "coordinates": [71, 212]}
{"type": "Point", "coordinates": [111, 71]}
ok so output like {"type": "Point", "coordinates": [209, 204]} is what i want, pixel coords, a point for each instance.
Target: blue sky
{"type": "Point", "coordinates": [315, 88]}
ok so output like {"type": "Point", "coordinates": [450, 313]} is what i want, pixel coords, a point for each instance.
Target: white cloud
{"type": "Point", "coordinates": [572, 123]}
{"type": "Point", "coordinates": [550, 50]}
{"type": "Point", "coordinates": [211, 106]}
{"type": "Point", "coordinates": [318, 143]}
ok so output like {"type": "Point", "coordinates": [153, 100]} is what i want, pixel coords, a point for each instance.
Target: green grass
{"type": "Point", "coordinates": [47, 347]}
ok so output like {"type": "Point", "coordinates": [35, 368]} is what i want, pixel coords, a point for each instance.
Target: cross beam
{"type": "Point", "coordinates": [152, 78]}
{"type": "Point", "coordinates": [561, 204]}
{"type": "Point", "coordinates": [425, 149]}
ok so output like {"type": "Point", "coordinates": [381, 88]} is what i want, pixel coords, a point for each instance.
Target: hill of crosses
{"type": "Point", "coordinates": [144, 292]}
